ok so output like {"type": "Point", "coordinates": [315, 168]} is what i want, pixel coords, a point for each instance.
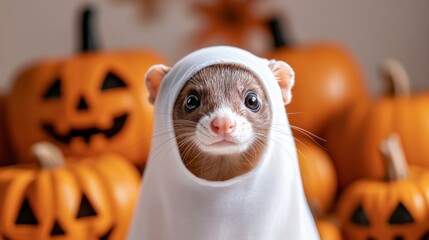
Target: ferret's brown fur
{"type": "Point", "coordinates": [221, 85]}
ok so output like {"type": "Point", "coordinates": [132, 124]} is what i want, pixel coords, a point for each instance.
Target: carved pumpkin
{"type": "Point", "coordinates": [92, 199]}
{"type": "Point", "coordinates": [87, 104]}
{"type": "Point", "coordinates": [6, 156]}
{"type": "Point", "coordinates": [353, 137]}
{"type": "Point", "coordinates": [327, 230]}
{"type": "Point", "coordinates": [328, 80]}
{"type": "Point", "coordinates": [318, 175]}
{"type": "Point", "coordinates": [394, 209]}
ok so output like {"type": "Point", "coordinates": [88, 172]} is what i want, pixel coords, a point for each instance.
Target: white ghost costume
{"type": "Point", "coordinates": [266, 203]}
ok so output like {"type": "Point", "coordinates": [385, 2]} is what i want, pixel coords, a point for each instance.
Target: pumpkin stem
{"type": "Point", "coordinates": [48, 155]}
{"type": "Point", "coordinates": [88, 39]}
{"type": "Point", "coordinates": [396, 77]}
{"type": "Point", "coordinates": [279, 39]}
{"type": "Point", "coordinates": [393, 154]}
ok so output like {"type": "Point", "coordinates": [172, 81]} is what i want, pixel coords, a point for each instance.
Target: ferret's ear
{"type": "Point", "coordinates": [153, 79]}
{"type": "Point", "coordinates": [285, 76]}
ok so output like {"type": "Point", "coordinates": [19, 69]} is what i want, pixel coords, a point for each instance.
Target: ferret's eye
{"type": "Point", "coordinates": [251, 101]}
{"type": "Point", "coordinates": [192, 102]}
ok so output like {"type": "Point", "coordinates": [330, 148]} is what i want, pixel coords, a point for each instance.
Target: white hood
{"type": "Point", "coordinates": [266, 203]}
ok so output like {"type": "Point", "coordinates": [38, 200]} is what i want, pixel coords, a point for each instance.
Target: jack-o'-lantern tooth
{"type": "Point", "coordinates": [105, 121]}
{"type": "Point", "coordinates": [98, 141]}
{"type": "Point", "coordinates": [62, 127]}
{"type": "Point", "coordinates": [77, 144]}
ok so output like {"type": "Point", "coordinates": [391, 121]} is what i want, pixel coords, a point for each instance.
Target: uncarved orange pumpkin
{"type": "Point", "coordinates": [354, 136]}
{"type": "Point", "coordinates": [328, 81]}
{"type": "Point", "coordinates": [394, 209]}
{"type": "Point", "coordinates": [318, 175]}
{"type": "Point", "coordinates": [88, 104]}
{"type": "Point", "coordinates": [6, 156]}
{"type": "Point", "coordinates": [91, 199]}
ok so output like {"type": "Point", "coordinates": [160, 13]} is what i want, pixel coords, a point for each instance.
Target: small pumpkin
{"type": "Point", "coordinates": [328, 81]}
{"type": "Point", "coordinates": [328, 230]}
{"type": "Point", "coordinates": [354, 135]}
{"type": "Point", "coordinates": [318, 175]}
{"type": "Point", "coordinates": [87, 104]}
{"type": "Point", "coordinates": [6, 156]}
{"type": "Point", "coordinates": [394, 209]}
{"type": "Point", "coordinates": [92, 199]}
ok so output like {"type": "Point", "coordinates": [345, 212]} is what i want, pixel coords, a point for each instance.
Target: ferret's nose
{"type": "Point", "coordinates": [223, 125]}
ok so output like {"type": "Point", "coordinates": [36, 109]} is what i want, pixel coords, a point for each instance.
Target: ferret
{"type": "Point", "coordinates": [222, 117]}
{"type": "Point", "coordinates": [223, 161]}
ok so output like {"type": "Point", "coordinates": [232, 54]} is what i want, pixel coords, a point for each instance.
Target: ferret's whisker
{"type": "Point", "coordinates": [156, 154]}
{"type": "Point", "coordinates": [244, 156]}
{"type": "Point", "coordinates": [302, 130]}
{"type": "Point", "coordinates": [308, 134]}
{"type": "Point", "coordinates": [294, 113]}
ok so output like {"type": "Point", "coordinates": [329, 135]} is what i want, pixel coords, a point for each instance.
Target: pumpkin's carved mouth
{"type": "Point", "coordinates": [86, 133]}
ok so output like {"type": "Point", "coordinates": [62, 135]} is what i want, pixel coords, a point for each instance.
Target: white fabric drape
{"type": "Point", "coordinates": [266, 203]}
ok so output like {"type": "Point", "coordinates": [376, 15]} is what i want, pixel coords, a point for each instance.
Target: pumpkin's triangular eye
{"type": "Point", "coordinates": [401, 215]}
{"type": "Point", "coordinates": [54, 91]}
{"type": "Point", "coordinates": [85, 208]}
{"type": "Point", "coordinates": [112, 81]}
{"type": "Point", "coordinates": [359, 217]}
{"type": "Point", "coordinates": [26, 214]}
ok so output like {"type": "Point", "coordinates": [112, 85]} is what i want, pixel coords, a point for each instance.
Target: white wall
{"type": "Point", "coordinates": [371, 29]}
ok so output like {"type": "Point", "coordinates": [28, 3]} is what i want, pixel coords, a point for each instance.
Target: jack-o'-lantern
{"type": "Point", "coordinates": [318, 175]}
{"type": "Point", "coordinates": [91, 199]}
{"type": "Point", "coordinates": [87, 104]}
{"type": "Point", "coordinates": [394, 209]}
{"type": "Point", "coordinates": [6, 156]}
{"type": "Point", "coordinates": [353, 136]}
{"type": "Point", "coordinates": [328, 80]}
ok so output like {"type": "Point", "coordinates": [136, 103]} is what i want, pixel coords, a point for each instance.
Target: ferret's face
{"type": "Point", "coordinates": [222, 110]}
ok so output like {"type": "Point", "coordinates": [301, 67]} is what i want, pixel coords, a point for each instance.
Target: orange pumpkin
{"type": "Point", "coordinates": [354, 136]}
{"type": "Point", "coordinates": [393, 209]}
{"type": "Point", "coordinates": [327, 230]}
{"type": "Point", "coordinates": [318, 175]}
{"type": "Point", "coordinates": [5, 148]}
{"type": "Point", "coordinates": [87, 104]}
{"type": "Point", "coordinates": [328, 81]}
{"type": "Point", "coordinates": [92, 199]}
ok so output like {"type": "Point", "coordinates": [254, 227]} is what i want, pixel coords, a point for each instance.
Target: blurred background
{"type": "Point", "coordinates": [371, 30]}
